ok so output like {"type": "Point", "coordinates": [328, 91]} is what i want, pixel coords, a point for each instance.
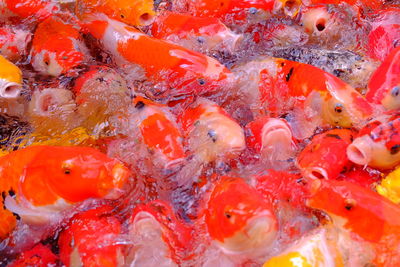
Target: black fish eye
{"type": "Point", "coordinates": [395, 149]}
{"type": "Point", "coordinates": [67, 171]}
{"type": "Point", "coordinates": [201, 81]}
{"type": "Point", "coordinates": [339, 108]}
{"type": "Point", "coordinates": [395, 91]}
{"type": "Point", "coordinates": [349, 204]}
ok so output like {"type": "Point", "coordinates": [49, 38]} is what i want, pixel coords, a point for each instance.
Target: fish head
{"type": "Point", "coordinates": [238, 218]}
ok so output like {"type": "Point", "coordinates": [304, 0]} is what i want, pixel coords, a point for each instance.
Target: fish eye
{"type": "Point", "coordinates": [201, 81]}
{"type": "Point", "coordinates": [200, 39]}
{"type": "Point", "coordinates": [122, 16]}
{"type": "Point", "coordinates": [228, 215]}
{"type": "Point", "coordinates": [253, 10]}
{"type": "Point", "coordinates": [395, 91]}
{"type": "Point", "coordinates": [349, 204]}
{"type": "Point", "coordinates": [67, 171]}
{"type": "Point", "coordinates": [338, 108]}
{"type": "Point", "coordinates": [395, 149]}
{"type": "Point", "coordinates": [66, 168]}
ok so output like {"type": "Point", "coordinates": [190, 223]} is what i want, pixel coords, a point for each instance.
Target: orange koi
{"type": "Point", "coordinates": [176, 70]}
{"type": "Point", "coordinates": [364, 213]}
{"type": "Point", "coordinates": [40, 256]}
{"type": "Point", "coordinates": [155, 228]}
{"type": "Point", "coordinates": [238, 218]}
{"type": "Point", "coordinates": [196, 33]}
{"type": "Point", "coordinates": [10, 79]}
{"type": "Point", "coordinates": [35, 186]}
{"type": "Point", "coordinates": [90, 239]}
{"type": "Point", "coordinates": [65, 51]}
{"type": "Point", "coordinates": [384, 84]}
{"type": "Point", "coordinates": [135, 13]}
{"type": "Point", "coordinates": [325, 157]}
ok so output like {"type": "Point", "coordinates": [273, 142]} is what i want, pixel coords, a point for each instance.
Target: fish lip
{"type": "Point", "coordinates": [321, 173]}
{"type": "Point", "coordinates": [9, 90]}
{"type": "Point", "coordinates": [360, 150]}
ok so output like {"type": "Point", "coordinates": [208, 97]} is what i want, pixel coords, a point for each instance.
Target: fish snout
{"type": "Point", "coordinates": [360, 151]}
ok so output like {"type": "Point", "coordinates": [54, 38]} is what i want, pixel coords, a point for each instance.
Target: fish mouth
{"type": "Point", "coordinates": [316, 173]}
{"type": "Point", "coordinates": [9, 89]}
{"type": "Point", "coordinates": [276, 131]}
{"type": "Point", "coordinates": [260, 232]}
{"type": "Point", "coordinates": [360, 151]}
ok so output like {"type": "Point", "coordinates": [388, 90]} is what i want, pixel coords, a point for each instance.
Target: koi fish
{"type": "Point", "coordinates": [364, 213]}
{"type": "Point", "coordinates": [374, 4]}
{"type": "Point", "coordinates": [37, 187]}
{"type": "Point", "coordinates": [283, 186]}
{"type": "Point", "coordinates": [384, 84]}
{"type": "Point", "coordinates": [24, 9]}
{"type": "Point", "coordinates": [238, 11]}
{"type": "Point", "coordinates": [13, 42]}
{"type": "Point", "coordinates": [271, 137]}
{"type": "Point", "coordinates": [52, 111]}
{"type": "Point", "coordinates": [137, 13]}
{"type": "Point", "coordinates": [65, 51]}
{"type": "Point", "coordinates": [89, 239]}
{"type": "Point", "coordinates": [313, 95]}
{"type": "Point", "coordinates": [10, 79]}
{"type": "Point", "coordinates": [40, 256]}
{"type": "Point", "coordinates": [159, 236]}
{"type": "Point", "coordinates": [196, 33]}
{"type": "Point", "coordinates": [377, 144]}
{"type": "Point", "coordinates": [211, 133]}
{"type": "Point", "coordinates": [390, 186]}
{"type": "Point", "coordinates": [325, 157]}
{"type": "Point", "coordinates": [100, 93]}
{"type": "Point", "coordinates": [360, 176]}
{"type": "Point", "coordinates": [176, 70]}
{"type": "Point", "coordinates": [325, 246]}
{"type": "Point", "coordinates": [385, 33]}
{"type": "Point", "coordinates": [238, 218]}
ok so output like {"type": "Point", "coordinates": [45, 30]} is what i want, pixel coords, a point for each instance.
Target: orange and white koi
{"type": "Point", "coordinates": [65, 51]}
{"type": "Point", "coordinates": [37, 187]}
{"type": "Point", "coordinates": [89, 239]}
{"type": "Point", "coordinates": [13, 42]}
{"type": "Point", "coordinates": [364, 213]}
{"type": "Point", "coordinates": [10, 79]}
{"type": "Point", "coordinates": [325, 157]}
{"type": "Point", "coordinates": [196, 33]}
{"type": "Point", "coordinates": [211, 132]}
{"type": "Point", "coordinates": [135, 13]}
{"type": "Point", "coordinates": [377, 144]}
{"type": "Point", "coordinates": [384, 84]}
{"type": "Point", "coordinates": [175, 70]}
{"type": "Point", "coordinates": [238, 218]}
{"type": "Point", "coordinates": [281, 86]}
{"type": "Point", "coordinates": [159, 236]}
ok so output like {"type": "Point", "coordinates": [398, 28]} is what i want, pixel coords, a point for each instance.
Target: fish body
{"type": "Point", "coordinates": [197, 33]}
{"type": "Point", "coordinates": [13, 42]}
{"type": "Point", "coordinates": [160, 236]}
{"type": "Point", "coordinates": [175, 70]}
{"type": "Point", "coordinates": [390, 186]}
{"type": "Point", "coordinates": [238, 218]}
{"type": "Point", "coordinates": [363, 212]}
{"type": "Point", "coordinates": [35, 186]}
{"type": "Point", "coordinates": [90, 239]}
{"type": "Point", "coordinates": [25, 9]}
{"type": "Point", "coordinates": [64, 52]}
{"type": "Point", "coordinates": [325, 157]}
{"type": "Point", "coordinates": [384, 84]}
